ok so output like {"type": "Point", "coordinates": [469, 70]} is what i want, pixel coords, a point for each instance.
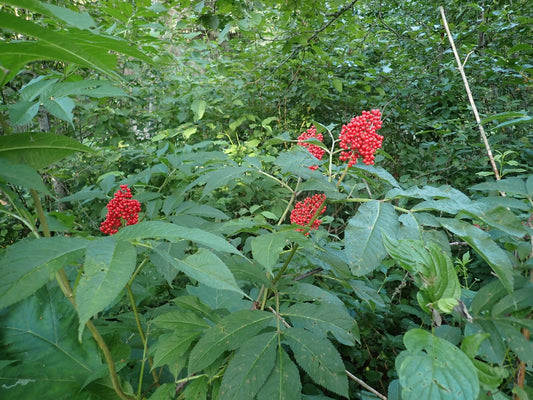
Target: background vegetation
{"type": "Point", "coordinates": [416, 285]}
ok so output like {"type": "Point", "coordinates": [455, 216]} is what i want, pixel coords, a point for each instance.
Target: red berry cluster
{"type": "Point", "coordinates": [304, 211]}
{"type": "Point", "coordinates": [359, 138]}
{"type": "Point", "coordinates": [315, 150]}
{"type": "Point", "coordinates": [121, 207]}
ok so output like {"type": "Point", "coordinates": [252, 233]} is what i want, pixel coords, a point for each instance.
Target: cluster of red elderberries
{"type": "Point", "coordinates": [315, 150]}
{"type": "Point", "coordinates": [304, 211]}
{"type": "Point", "coordinates": [359, 138]}
{"type": "Point", "coordinates": [121, 208]}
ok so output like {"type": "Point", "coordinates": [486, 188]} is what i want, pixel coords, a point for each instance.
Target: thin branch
{"type": "Point", "coordinates": [365, 385]}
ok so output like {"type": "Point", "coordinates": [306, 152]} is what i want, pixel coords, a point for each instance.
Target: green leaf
{"type": "Point", "coordinates": [321, 319]}
{"type": "Point", "coordinates": [363, 241]}
{"type": "Point", "coordinates": [181, 320]}
{"type": "Point", "coordinates": [433, 368]}
{"type": "Point", "coordinates": [337, 84]}
{"type": "Point", "coordinates": [284, 380]}
{"type": "Point", "coordinates": [22, 112]}
{"type": "Point", "coordinates": [198, 108]}
{"type": "Point", "coordinates": [483, 244]}
{"type": "Point", "coordinates": [319, 358]}
{"type": "Point", "coordinates": [40, 333]}
{"type": "Point", "coordinates": [60, 107]}
{"type": "Point", "coordinates": [507, 185]}
{"type": "Point", "coordinates": [174, 233]}
{"type": "Point", "coordinates": [108, 266]}
{"type": "Point", "coordinates": [503, 219]}
{"type": "Point", "coordinates": [21, 175]}
{"type": "Point", "coordinates": [30, 263]}
{"type": "Point", "coordinates": [170, 349]}
{"type": "Point", "coordinates": [217, 178]}
{"type": "Point", "coordinates": [266, 248]}
{"type": "Point", "coordinates": [38, 150]}
{"type": "Point", "coordinates": [229, 334]}
{"type": "Point", "coordinates": [249, 368]}
{"type": "Point", "coordinates": [164, 392]}
{"type": "Point", "coordinates": [205, 267]}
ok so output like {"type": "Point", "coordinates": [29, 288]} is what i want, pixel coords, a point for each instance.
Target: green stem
{"type": "Point", "coordinates": [277, 180]}
{"type": "Point", "coordinates": [291, 201]}
{"type": "Point", "coordinates": [40, 212]}
{"type": "Point", "coordinates": [343, 175]}
{"type": "Point", "coordinates": [364, 200]}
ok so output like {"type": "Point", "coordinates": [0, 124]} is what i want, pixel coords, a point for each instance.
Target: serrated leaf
{"type": "Point", "coordinates": [229, 334]}
{"type": "Point", "coordinates": [21, 175]}
{"type": "Point", "coordinates": [60, 107]}
{"type": "Point", "coordinates": [503, 219]}
{"type": "Point", "coordinates": [514, 338]}
{"type": "Point", "coordinates": [483, 244]}
{"type": "Point", "coordinates": [170, 349]}
{"type": "Point", "coordinates": [284, 380]}
{"type": "Point", "coordinates": [364, 248]}
{"type": "Point", "coordinates": [22, 112]}
{"type": "Point", "coordinates": [433, 368]}
{"type": "Point", "coordinates": [507, 185]}
{"type": "Point", "coordinates": [108, 266]}
{"type": "Point", "coordinates": [203, 210]}
{"type": "Point", "coordinates": [266, 248]}
{"type": "Point", "coordinates": [198, 108]}
{"type": "Point", "coordinates": [38, 150]}
{"type": "Point", "coordinates": [40, 334]}
{"type": "Point", "coordinates": [174, 233]}
{"type": "Point", "coordinates": [217, 178]}
{"type": "Point", "coordinates": [205, 267]}
{"type": "Point", "coordinates": [196, 390]}
{"type": "Point", "coordinates": [181, 320]}
{"type": "Point", "coordinates": [30, 263]}
{"type": "Point", "coordinates": [249, 368]}
{"type": "Point", "coordinates": [321, 319]}
{"type": "Point", "coordinates": [319, 358]}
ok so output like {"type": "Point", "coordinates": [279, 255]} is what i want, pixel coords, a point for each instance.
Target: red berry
{"type": "Point", "coordinates": [315, 150]}
{"type": "Point", "coordinates": [121, 207]}
{"type": "Point", "coordinates": [304, 211]}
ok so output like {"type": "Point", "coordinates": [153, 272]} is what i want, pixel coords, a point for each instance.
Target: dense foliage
{"type": "Point", "coordinates": [265, 200]}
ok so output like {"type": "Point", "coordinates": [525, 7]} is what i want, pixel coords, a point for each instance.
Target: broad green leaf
{"type": "Point", "coordinates": [433, 368]}
{"type": "Point", "coordinates": [22, 112]}
{"type": "Point", "coordinates": [364, 248]}
{"type": "Point", "coordinates": [319, 358]}
{"type": "Point", "coordinates": [229, 334]}
{"type": "Point", "coordinates": [38, 150]}
{"type": "Point", "coordinates": [429, 193]}
{"type": "Point", "coordinates": [217, 178]}
{"type": "Point", "coordinates": [503, 219]}
{"type": "Point", "coordinates": [164, 392]}
{"type": "Point", "coordinates": [483, 244]}
{"type": "Point", "coordinates": [196, 389]}
{"type": "Point", "coordinates": [108, 266]}
{"type": "Point", "coordinates": [297, 162]}
{"type": "Point", "coordinates": [513, 337]}
{"type": "Point", "coordinates": [30, 263]}
{"type": "Point", "coordinates": [337, 84]}
{"type": "Point", "coordinates": [35, 88]}
{"type": "Point", "coordinates": [284, 380]}
{"type": "Point", "coordinates": [60, 107]}
{"type": "Point", "coordinates": [21, 175]}
{"type": "Point", "coordinates": [507, 185]}
{"type": "Point", "coordinates": [219, 299]}
{"type": "Point", "coordinates": [266, 248]}
{"type": "Point", "coordinates": [304, 292]}
{"type": "Point", "coordinates": [321, 319]}
{"type": "Point", "coordinates": [249, 368]}
{"type": "Point", "coordinates": [206, 268]}
{"type": "Point", "coordinates": [40, 334]}
{"type": "Point", "coordinates": [379, 172]}
{"type": "Point", "coordinates": [432, 270]}
{"type": "Point", "coordinates": [174, 233]}
{"type": "Point", "coordinates": [490, 377]}
{"type": "Point", "coordinates": [170, 349]}
{"type": "Point", "coordinates": [181, 320]}
{"type": "Point", "coordinates": [198, 108]}
{"type": "Point", "coordinates": [203, 210]}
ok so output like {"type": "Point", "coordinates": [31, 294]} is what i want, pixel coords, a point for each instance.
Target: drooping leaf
{"type": "Point", "coordinates": [249, 368]}
{"type": "Point", "coordinates": [508, 185]}
{"type": "Point", "coordinates": [284, 380]}
{"type": "Point", "coordinates": [503, 219]}
{"type": "Point", "coordinates": [40, 333]}
{"type": "Point", "coordinates": [319, 358]}
{"type": "Point", "coordinates": [483, 244]}
{"type": "Point", "coordinates": [229, 334]}
{"type": "Point", "coordinates": [30, 263]}
{"type": "Point", "coordinates": [174, 233]}
{"type": "Point", "coordinates": [38, 150]}
{"type": "Point", "coordinates": [171, 349]}
{"type": "Point", "coordinates": [21, 175]}
{"type": "Point", "coordinates": [108, 266]}
{"type": "Point", "coordinates": [22, 112]}
{"type": "Point", "coordinates": [321, 319]}
{"type": "Point", "coordinates": [206, 268]}
{"type": "Point", "coordinates": [60, 107]}
{"type": "Point", "coordinates": [364, 248]}
{"type": "Point", "coordinates": [433, 368]}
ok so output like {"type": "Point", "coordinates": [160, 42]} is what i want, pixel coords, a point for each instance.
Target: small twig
{"type": "Point", "coordinates": [470, 98]}
{"type": "Point", "coordinates": [280, 317]}
{"type": "Point", "coordinates": [365, 385]}
{"type": "Point", "coordinates": [308, 273]}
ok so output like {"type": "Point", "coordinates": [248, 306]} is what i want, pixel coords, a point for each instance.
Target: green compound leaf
{"type": "Point", "coordinates": [229, 334]}
{"type": "Point", "coordinates": [38, 150]}
{"type": "Point", "coordinates": [483, 244]}
{"type": "Point", "coordinates": [433, 368]}
{"type": "Point", "coordinates": [108, 266]}
{"type": "Point", "coordinates": [206, 268]}
{"type": "Point", "coordinates": [284, 380]}
{"type": "Point", "coordinates": [175, 233]}
{"type": "Point", "coordinates": [30, 263]}
{"type": "Point", "coordinates": [40, 334]}
{"type": "Point", "coordinates": [250, 367]}
{"type": "Point", "coordinates": [323, 318]}
{"type": "Point", "coordinates": [319, 358]}
{"type": "Point", "coordinates": [364, 248]}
